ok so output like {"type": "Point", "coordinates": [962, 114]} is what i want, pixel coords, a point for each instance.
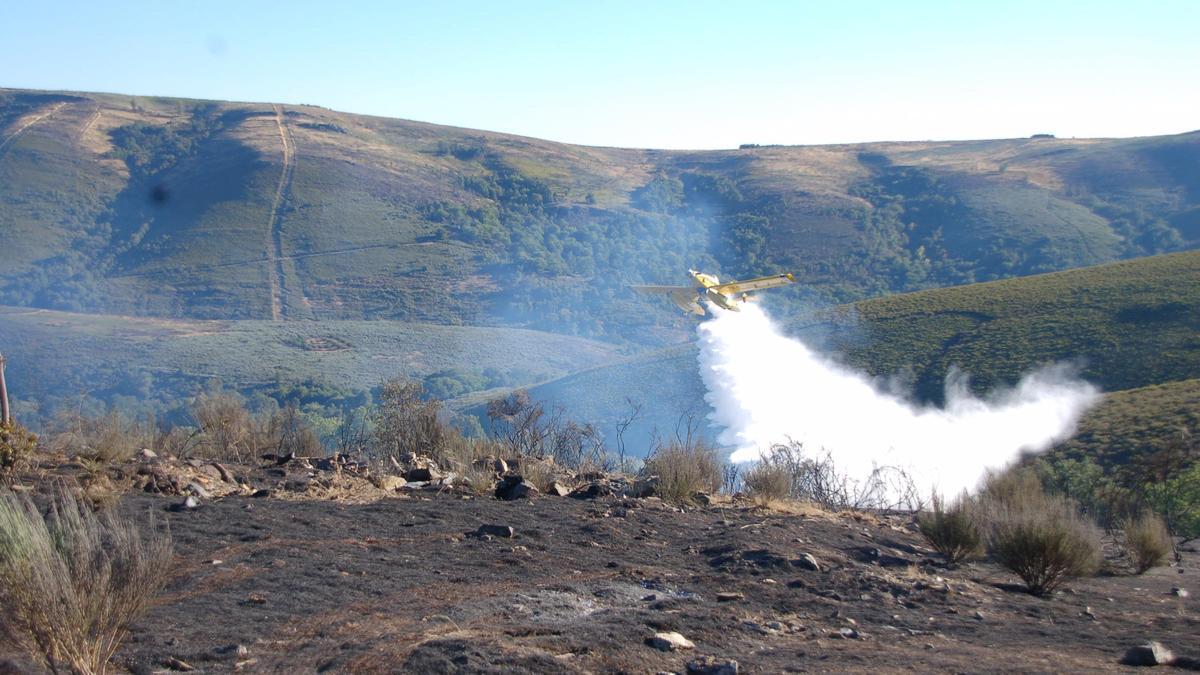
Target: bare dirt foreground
{"type": "Point", "coordinates": [406, 584]}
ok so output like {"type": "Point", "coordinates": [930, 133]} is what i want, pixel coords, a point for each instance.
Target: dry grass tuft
{"type": "Point", "coordinates": [72, 580]}
{"type": "Point", "coordinates": [683, 469]}
{"type": "Point", "coordinates": [952, 531]}
{"type": "Point", "coordinates": [1147, 541]}
{"type": "Point", "coordinates": [767, 483]}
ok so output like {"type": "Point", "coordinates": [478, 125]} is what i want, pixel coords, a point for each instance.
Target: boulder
{"type": "Point", "coordinates": [808, 562]}
{"type": "Point", "coordinates": [712, 665]}
{"type": "Point", "coordinates": [729, 596]}
{"type": "Point", "coordinates": [1150, 654]}
{"type": "Point", "coordinates": [515, 487]}
{"type": "Point", "coordinates": [422, 474]}
{"type": "Point", "coordinates": [147, 454]}
{"type": "Point", "coordinates": [669, 642]}
{"type": "Point", "coordinates": [389, 483]}
{"type": "Point", "coordinates": [559, 490]}
{"type": "Point", "coordinates": [645, 487]}
{"type": "Point", "coordinates": [593, 490]}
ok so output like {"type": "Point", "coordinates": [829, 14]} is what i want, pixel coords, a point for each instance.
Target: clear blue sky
{"type": "Point", "coordinates": [689, 74]}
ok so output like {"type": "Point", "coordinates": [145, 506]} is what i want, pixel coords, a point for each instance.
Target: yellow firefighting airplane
{"type": "Point", "coordinates": [729, 295]}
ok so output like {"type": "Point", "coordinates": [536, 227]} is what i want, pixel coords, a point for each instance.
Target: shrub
{"type": "Point", "coordinates": [954, 531]}
{"type": "Point", "coordinates": [405, 422]}
{"type": "Point", "coordinates": [818, 480]}
{"type": "Point", "coordinates": [1041, 538]}
{"type": "Point", "coordinates": [71, 581]}
{"type": "Point", "coordinates": [683, 469]}
{"type": "Point", "coordinates": [108, 438]}
{"type": "Point", "coordinates": [228, 431]}
{"type": "Point", "coordinates": [17, 444]}
{"type": "Point", "coordinates": [767, 482]}
{"type": "Point", "coordinates": [1147, 541]}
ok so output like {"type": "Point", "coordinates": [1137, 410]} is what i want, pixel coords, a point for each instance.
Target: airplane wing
{"type": "Point", "coordinates": [683, 296]}
{"type": "Point", "coordinates": [755, 284]}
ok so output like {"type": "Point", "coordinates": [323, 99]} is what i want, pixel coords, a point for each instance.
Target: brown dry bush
{"type": "Point", "coordinates": [17, 445]}
{"type": "Point", "coordinates": [1041, 538]}
{"type": "Point", "coordinates": [767, 482]}
{"type": "Point", "coordinates": [952, 530]}
{"type": "Point", "coordinates": [228, 432]}
{"type": "Point", "coordinates": [107, 438]}
{"type": "Point", "coordinates": [683, 469]}
{"type": "Point", "coordinates": [1147, 542]}
{"type": "Point", "coordinates": [71, 581]}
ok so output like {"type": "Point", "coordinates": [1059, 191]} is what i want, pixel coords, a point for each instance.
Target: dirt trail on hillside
{"type": "Point", "coordinates": [274, 235]}
{"type": "Point", "coordinates": [87, 126]}
{"type": "Point", "coordinates": [4, 145]}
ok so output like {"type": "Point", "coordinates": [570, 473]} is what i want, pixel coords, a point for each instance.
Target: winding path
{"type": "Point", "coordinates": [274, 235]}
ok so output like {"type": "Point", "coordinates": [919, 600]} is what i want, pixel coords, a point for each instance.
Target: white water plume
{"type": "Point", "coordinates": [767, 388]}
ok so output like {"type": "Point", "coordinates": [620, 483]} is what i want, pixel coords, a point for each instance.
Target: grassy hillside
{"type": "Point", "coordinates": [1128, 325]}
{"type": "Point", "coordinates": [57, 357]}
{"type": "Point", "coordinates": [1133, 327]}
{"type": "Point", "coordinates": [200, 209]}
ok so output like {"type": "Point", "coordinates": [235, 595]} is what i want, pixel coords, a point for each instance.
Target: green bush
{"type": "Point", "coordinates": [1147, 542]}
{"type": "Point", "coordinates": [1041, 538]}
{"type": "Point", "coordinates": [953, 531]}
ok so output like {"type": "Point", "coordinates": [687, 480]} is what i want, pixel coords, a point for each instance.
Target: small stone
{"type": "Point", "coordinates": [175, 664]}
{"type": "Point", "coordinates": [808, 562]}
{"type": "Point", "coordinates": [198, 490]}
{"type": "Point", "coordinates": [845, 634]}
{"type": "Point", "coordinates": [1087, 611]}
{"type": "Point", "coordinates": [559, 490]}
{"type": "Point", "coordinates": [669, 642]}
{"type": "Point", "coordinates": [504, 531]}
{"type": "Point", "coordinates": [233, 649]}
{"type": "Point", "coordinates": [261, 493]}
{"type": "Point", "coordinates": [1150, 654]}
{"type": "Point", "coordinates": [147, 454]}
{"type": "Point", "coordinates": [1179, 592]}
{"type": "Point", "coordinates": [712, 665]}
{"type": "Point", "coordinates": [769, 582]}
{"type": "Point", "coordinates": [978, 615]}
{"type": "Point", "coordinates": [928, 645]}
{"type": "Point", "coordinates": [187, 504]}
{"type": "Point", "coordinates": [729, 596]}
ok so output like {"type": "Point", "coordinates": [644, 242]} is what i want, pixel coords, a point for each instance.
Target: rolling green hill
{"type": "Point", "coordinates": [198, 209]}
{"type": "Point", "coordinates": [154, 364]}
{"type": "Point", "coordinates": [1132, 327]}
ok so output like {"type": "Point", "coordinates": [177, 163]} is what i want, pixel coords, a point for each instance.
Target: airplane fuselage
{"type": "Point", "coordinates": [707, 287]}
{"type": "Point", "coordinates": [705, 291]}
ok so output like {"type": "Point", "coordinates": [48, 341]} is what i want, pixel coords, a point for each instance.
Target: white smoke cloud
{"type": "Point", "coordinates": [766, 388]}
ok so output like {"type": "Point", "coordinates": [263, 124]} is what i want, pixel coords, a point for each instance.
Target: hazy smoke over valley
{"type": "Point", "coordinates": [765, 388]}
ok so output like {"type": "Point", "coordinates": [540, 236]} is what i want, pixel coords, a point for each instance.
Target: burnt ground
{"type": "Point", "coordinates": [399, 585]}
